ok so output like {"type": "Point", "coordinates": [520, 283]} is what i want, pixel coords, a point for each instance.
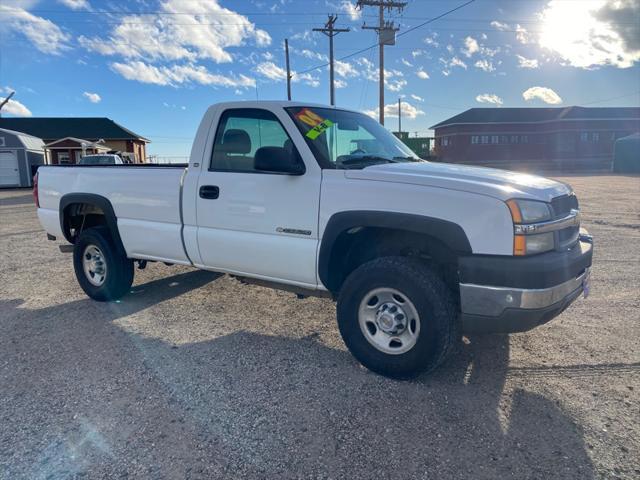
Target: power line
{"type": "Point", "coordinates": [370, 47]}
{"type": "Point", "coordinates": [330, 31]}
{"type": "Point", "coordinates": [386, 36]}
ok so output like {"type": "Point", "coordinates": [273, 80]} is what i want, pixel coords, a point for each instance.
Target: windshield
{"type": "Point", "coordinates": [98, 160]}
{"type": "Point", "coordinates": [343, 139]}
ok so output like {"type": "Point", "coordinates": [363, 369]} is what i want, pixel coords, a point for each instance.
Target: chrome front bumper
{"type": "Point", "coordinates": [493, 301]}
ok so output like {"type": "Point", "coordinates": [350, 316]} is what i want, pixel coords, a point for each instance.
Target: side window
{"type": "Point", "coordinates": [241, 133]}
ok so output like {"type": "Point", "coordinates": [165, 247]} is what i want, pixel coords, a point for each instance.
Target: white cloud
{"type": "Point", "coordinates": [456, 62]}
{"type": "Point", "coordinates": [45, 35]}
{"type": "Point", "coordinates": [521, 34]}
{"type": "Point", "coordinates": [408, 110]}
{"type": "Point", "coordinates": [432, 40]}
{"type": "Point", "coordinates": [178, 74]}
{"type": "Point", "coordinates": [393, 80]}
{"type": "Point", "coordinates": [485, 65]}
{"type": "Point", "coordinates": [76, 4]}
{"type": "Point", "coordinates": [271, 71]}
{"type": "Point", "coordinates": [344, 69]}
{"type": "Point", "coordinates": [599, 32]}
{"type": "Point", "coordinates": [470, 46]}
{"type": "Point", "coordinates": [92, 97]}
{"type": "Point", "coordinates": [422, 74]}
{"type": "Point", "coordinates": [391, 110]}
{"type": "Point", "coordinates": [14, 107]}
{"type": "Point", "coordinates": [500, 25]}
{"type": "Point", "coordinates": [417, 53]}
{"type": "Point", "coordinates": [489, 98]}
{"type": "Point", "coordinates": [206, 32]}
{"type": "Point", "coordinates": [348, 8]}
{"type": "Point", "coordinates": [278, 74]}
{"type": "Point", "coordinates": [542, 93]}
{"type": "Point", "coordinates": [417, 98]}
{"type": "Point", "coordinates": [311, 54]}
{"type": "Point", "coordinates": [450, 64]}
{"type": "Point", "coordinates": [340, 83]}
{"type": "Point", "coordinates": [526, 62]}
{"type": "Point", "coordinates": [406, 63]}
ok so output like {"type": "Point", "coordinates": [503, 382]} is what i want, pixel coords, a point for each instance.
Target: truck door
{"type": "Point", "coordinates": [254, 222]}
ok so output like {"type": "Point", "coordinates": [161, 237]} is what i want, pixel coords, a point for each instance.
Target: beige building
{"type": "Point", "coordinates": [61, 134]}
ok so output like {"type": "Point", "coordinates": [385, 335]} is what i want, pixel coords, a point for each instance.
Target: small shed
{"type": "Point", "coordinates": [20, 154]}
{"type": "Point", "coordinates": [626, 156]}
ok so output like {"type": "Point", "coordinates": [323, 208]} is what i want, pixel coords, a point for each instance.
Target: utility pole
{"type": "Point", "coordinates": [5, 101]}
{"type": "Point", "coordinates": [286, 54]}
{"type": "Point", "coordinates": [330, 31]}
{"type": "Point", "coordinates": [399, 116]}
{"type": "Point", "coordinates": [386, 36]}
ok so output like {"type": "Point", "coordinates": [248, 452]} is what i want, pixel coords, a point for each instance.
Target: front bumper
{"type": "Point", "coordinates": [510, 294]}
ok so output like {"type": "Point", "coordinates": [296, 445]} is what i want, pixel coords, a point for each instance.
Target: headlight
{"type": "Point", "coordinates": [532, 244]}
{"type": "Point", "coordinates": [526, 212]}
{"type": "Point", "coordinates": [529, 211]}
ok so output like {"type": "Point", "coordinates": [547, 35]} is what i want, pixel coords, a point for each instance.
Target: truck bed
{"type": "Point", "coordinates": [145, 199]}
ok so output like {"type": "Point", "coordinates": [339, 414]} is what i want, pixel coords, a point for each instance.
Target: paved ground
{"type": "Point", "coordinates": [195, 376]}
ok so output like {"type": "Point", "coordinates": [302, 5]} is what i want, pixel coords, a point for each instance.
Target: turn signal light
{"type": "Point", "coordinates": [519, 245]}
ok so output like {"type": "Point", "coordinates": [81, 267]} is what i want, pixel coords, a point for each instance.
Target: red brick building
{"type": "Point", "coordinates": [567, 138]}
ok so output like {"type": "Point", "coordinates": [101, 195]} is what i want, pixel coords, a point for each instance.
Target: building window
{"type": "Point", "coordinates": [475, 139]}
{"type": "Point", "coordinates": [514, 138]}
{"type": "Point", "coordinates": [63, 158]}
{"type": "Point", "coordinates": [494, 139]}
{"type": "Point", "coordinates": [504, 139]}
{"type": "Point", "coordinates": [584, 136]}
{"type": "Point", "coordinates": [484, 139]}
{"type": "Point", "coordinates": [524, 139]}
{"type": "Point", "coordinates": [595, 137]}
{"type": "Point", "coordinates": [446, 141]}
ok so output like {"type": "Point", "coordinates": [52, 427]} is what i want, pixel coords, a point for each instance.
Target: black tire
{"type": "Point", "coordinates": [119, 269]}
{"type": "Point", "coordinates": [439, 330]}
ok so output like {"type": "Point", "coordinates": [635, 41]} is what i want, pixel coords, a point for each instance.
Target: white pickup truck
{"type": "Point", "coordinates": [325, 201]}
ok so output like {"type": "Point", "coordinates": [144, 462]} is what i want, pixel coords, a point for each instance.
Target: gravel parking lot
{"type": "Point", "coordinates": [194, 375]}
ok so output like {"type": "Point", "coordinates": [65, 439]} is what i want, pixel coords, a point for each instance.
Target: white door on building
{"type": "Point", "coordinates": [9, 173]}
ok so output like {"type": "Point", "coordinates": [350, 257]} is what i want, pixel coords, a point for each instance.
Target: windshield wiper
{"type": "Point", "coordinates": [368, 159]}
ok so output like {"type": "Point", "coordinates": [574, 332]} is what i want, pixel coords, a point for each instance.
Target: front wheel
{"type": "Point", "coordinates": [102, 271]}
{"type": "Point", "coordinates": [397, 316]}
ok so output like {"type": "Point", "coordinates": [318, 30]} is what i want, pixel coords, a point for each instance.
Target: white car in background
{"type": "Point", "coordinates": [102, 159]}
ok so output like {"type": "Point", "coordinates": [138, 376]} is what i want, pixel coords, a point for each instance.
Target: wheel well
{"type": "Point", "coordinates": [77, 217]}
{"type": "Point", "coordinates": [356, 246]}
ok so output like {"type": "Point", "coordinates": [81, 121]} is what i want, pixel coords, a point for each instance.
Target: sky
{"type": "Point", "coordinates": [154, 66]}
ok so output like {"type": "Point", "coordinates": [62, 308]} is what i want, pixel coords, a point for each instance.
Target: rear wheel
{"type": "Point", "coordinates": [397, 316]}
{"type": "Point", "coordinates": [102, 271]}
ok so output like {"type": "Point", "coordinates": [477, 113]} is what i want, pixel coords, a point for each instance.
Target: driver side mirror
{"type": "Point", "coordinates": [278, 160]}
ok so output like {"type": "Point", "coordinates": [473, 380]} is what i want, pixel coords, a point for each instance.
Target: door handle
{"type": "Point", "coordinates": [210, 192]}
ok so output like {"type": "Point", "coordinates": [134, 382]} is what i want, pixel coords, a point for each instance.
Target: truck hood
{"type": "Point", "coordinates": [496, 183]}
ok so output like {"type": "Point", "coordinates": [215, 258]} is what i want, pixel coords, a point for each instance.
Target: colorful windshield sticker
{"type": "Point", "coordinates": [316, 122]}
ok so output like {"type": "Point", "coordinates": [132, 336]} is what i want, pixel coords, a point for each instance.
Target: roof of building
{"type": "Point", "coordinates": [534, 115]}
{"type": "Point", "coordinates": [80, 127]}
{"type": "Point", "coordinates": [28, 141]}
{"type": "Point", "coordinates": [81, 143]}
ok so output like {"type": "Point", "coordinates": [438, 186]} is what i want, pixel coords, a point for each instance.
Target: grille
{"type": "Point", "coordinates": [563, 205]}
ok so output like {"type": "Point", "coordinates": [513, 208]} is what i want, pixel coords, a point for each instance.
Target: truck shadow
{"type": "Point", "coordinates": [263, 406]}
